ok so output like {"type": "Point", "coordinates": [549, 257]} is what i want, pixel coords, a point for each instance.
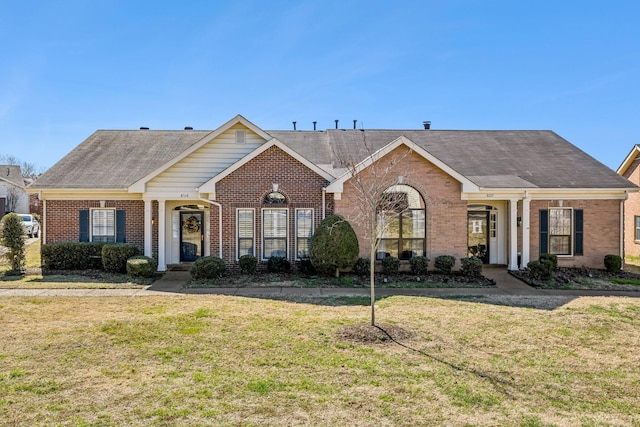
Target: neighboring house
{"type": "Point", "coordinates": [630, 169]}
{"type": "Point", "coordinates": [505, 196]}
{"type": "Point", "coordinates": [13, 195]}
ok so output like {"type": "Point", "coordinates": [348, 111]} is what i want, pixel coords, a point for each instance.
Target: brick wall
{"type": "Point", "coordinates": [446, 213]}
{"type": "Point", "coordinates": [247, 187]}
{"type": "Point", "coordinates": [63, 219]}
{"type": "Point", "coordinates": [601, 230]}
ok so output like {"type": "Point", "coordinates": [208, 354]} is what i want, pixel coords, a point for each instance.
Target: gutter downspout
{"type": "Point", "coordinates": [219, 223]}
{"type": "Point", "coordinates": [324, 194]}
{"type": "Point", "coordinates": [626, 196]}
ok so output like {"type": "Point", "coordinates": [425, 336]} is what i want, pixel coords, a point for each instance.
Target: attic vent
{"type": "Point", "coordinates": [240, 137]}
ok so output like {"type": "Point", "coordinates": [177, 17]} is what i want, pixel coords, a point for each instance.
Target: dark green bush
{"type": "Point", "coordinates": [306, 267]}
{"type": "Point", "coordinates": [445, 263]}
{"type": "Point", "coordinates": [362, 267]}
{"type": "Point", "coordinates": [612, 263]}
{"type": "Point", "coordinates": [208, 267]}
{"type": "Point", "coordinates": [419, 264]}
{"type": "Point", "coordinates": [541, 269]}
{"type": "Point", "coordinates": [72, 256]}
{"type": "Point", "coordinates": [471, 267]}
{"type": "Point", "coordinates": [142, 266]}
{"type": "Point", "coordinates": [390, 265]}
{"type": "Point", "coordinates": [115, 256]}
{"type": "Point", "coordinates": [12, 237]}
{"type": "Point", "coordinates": [552, 258]}
{"type": "Point", "coordinates": [334, 246]}
{"type": "Point", "coordinates": [278, 264]}
{"type": "Point", "coordinates": [248, 264]}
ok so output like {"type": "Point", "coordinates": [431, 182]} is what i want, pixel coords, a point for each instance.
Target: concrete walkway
{"type": "Point", "coordinates": [172, 283]}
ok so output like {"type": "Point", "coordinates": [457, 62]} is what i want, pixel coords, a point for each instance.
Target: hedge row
{"type": "Point", "coordinates": [111, 257]}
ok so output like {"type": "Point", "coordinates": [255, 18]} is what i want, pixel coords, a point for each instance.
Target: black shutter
{"type": "Point", "coordinates": [120, 226]}
{"type": "Point", "coordinates": [544, 231]}
{"type": "Point", "coordinates": [578, 216]}
{"type": "Point", "coordinates": [84, 225]}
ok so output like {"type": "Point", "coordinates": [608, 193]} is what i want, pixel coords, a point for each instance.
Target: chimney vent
{"type": "Point", "coordinates": [336, 123]}
{"type": "Point", "coordinates": [188, 128]}
{"type": "Point", "coordinates": [144, 128]}
{"type": "Point", "coordinates": [314, 125]}
{"type": "Point", "coordinates": [354, 123]}
{"type": "Point", "coordinates": [427, 124]}
{"type": "Point", "coordinates": [294, 125]}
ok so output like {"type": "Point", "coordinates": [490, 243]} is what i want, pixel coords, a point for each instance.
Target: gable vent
{"type": "Point", "coordinates": [240, 137]}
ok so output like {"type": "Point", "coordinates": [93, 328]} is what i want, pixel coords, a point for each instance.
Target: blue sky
{"type": "Point", "coordinates": [68, 68]}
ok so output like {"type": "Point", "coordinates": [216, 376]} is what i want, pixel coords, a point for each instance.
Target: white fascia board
{"type": "Point", "coordinates": [210, 186]}
{"type": "Point", "coordinates": [550, 194]}
{"type": "Point", "coordinates": [140, 185]}
{"type": "Point", "coordinates": [338, 185]}
{"type": "Point", "coordinates": [85, 194]}
{"type": "Point", "coordinates": [628, 160]}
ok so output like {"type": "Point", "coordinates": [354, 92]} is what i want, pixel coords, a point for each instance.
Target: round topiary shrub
{"type": "Point", "coordinates": [278, 264]}
{"type": "Point", "coordinates": [141, 266]}
{"type": "Point", "coordinates": [552, 258]}
{"type": "Point", "coordinates": [419, 264]}
{"type": "Point", "coordinates": [612, 263]}
{"type": "Point", "coordinates": [471, 267]}
{"type": "Point", "coordinates": [390, 265]}
{"type": "Point", "coordinates": [207, 267]}
{"type": "Point", "coordinates": [115, 256]}
{"type": "Point", "coordinates": [248, 264]}
{"type": "Point", "coordinates": [445, 263]}
{"type": "Point", "coordinates": [334, 246]}
{"type": "Point", "coordinates": [540, 269]}
{"type": "Point", "coordinates": [362, 267]}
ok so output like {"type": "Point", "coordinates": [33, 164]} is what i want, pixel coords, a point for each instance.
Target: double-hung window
{"type": "Point", "coordinates": [304, 232]}
{"type": "Point", "coordinates": [103, 225]}
{"type": "Point", "coordinates": [561, 231]}
{"type": "Point", "coordinates": [274, 233]}
{"type": "Point", "coordinates": [245, 232]}
{"type": "Point", "coordinates": [637, 227]}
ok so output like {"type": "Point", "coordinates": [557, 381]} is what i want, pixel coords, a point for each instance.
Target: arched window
{"type": "Point", "coordinates": [401, 223]}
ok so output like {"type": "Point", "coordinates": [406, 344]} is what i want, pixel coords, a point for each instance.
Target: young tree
{"type": "Point", "coordinates": [12, 237]}
{"type": "Point", "coordinates": [371, 185]}
{"type": "Point", "coordinates": [334, 246]}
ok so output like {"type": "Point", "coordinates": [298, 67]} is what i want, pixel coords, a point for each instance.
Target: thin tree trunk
{"type": "Point", "coordinates": [372, 282]}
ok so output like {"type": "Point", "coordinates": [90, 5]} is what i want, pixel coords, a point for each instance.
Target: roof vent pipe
{"type": "Point", "coordinates": [294, 125]}
{"type": "Point", "coordinates": [354, 123]}
{"type": "Point", "coordinates": [427, 124]}
{"type": "Point", "coordinates": [314, 125]}
{"type": "Point", "coordinates": [188, 128]}
{"type": "Point", "coordinates": [144, 128]}
{"type": "Point", "coordinates": [336, 123]}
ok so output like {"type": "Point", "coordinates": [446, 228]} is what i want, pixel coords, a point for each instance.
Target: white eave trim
{"type": "Point", "coordinates": [628, 160]}
{"type": "Point", "coordinates": [210, 186]}
{"type": "Point", "coordinates": [338, 185]}
{"type": "Point", "coordinates": [140, 185]}
{"type": "Point", "coordinates": [550, 193]}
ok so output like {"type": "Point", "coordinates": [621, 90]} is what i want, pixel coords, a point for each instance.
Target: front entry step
{"type": "Point", "coordinates": [184, 266]}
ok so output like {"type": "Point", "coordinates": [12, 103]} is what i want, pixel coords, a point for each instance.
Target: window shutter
{"type": "Point", "coordinates": [544, 231]}
{"type": "Point", "coordinates": [120, 226]}
{"type": "Point", "coordinates": [84, 225]}
{"type": "Point", "coordinates": [578, 216]}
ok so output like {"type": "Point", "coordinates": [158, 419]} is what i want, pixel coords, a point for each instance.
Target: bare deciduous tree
{"type": "Point", "coordinates": [28, 169]}
{"type": "Point", "coordinates": [12, 199]}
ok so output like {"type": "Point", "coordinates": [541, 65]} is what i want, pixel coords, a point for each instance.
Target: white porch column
{"type": "Point", "coordinates": [526, 238]}
{"type": "Point", "coordinates": [148, 235]}
{"type": "Point", "coordinates": [162, 225]}
{"type": "Point", "coordinates": [513, 234]}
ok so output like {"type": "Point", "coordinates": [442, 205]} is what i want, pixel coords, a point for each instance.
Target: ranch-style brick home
{"type": "Point", "coordinates": [504, 196]}
{"type": "Point", "coordinates": [630, 169]}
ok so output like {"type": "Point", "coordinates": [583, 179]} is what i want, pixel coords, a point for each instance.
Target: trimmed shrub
{"type": "Point", "coordinates": [142, 266]}
{"type": "Point", "coordinates": [334, 246]}
{"type": "Point", "coordinates": [419, 264]}
{"type": "Point", "coordinates": [552, 258]}
{"type": "Point", "coordinates": [471, 267]}
{"type": "Point", "coordinates": [390, 265]}
{"type": "Point", "coordinates": [115, 256]}
{"type": "Point", "coordinates": [278, 264]}
{"type": "Point", "coordinates": [12, 237]}
{"type": "Point", "coordinates": [248, 264]}
{"type": "Point", "coordinates": [445, 263]}
{"type": "Point", "coordinates": [208, 267]}
{"type": "Point", "coordinates": [612, 263]}
{"type": "Point", "coordinates": [362, 267]}
{"type": "Point", "coordinates": [541, 269]}
{"type": "Point", "coordinates": [305, 267]}
{"type": "Point", "coordinates": [72, 256]}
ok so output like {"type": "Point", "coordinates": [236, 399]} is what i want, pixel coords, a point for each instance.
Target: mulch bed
{"type": "Point", "coordinates": [580, 278]}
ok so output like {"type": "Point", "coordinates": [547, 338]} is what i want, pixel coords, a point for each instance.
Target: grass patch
{"type": "Point", "coordinates": [216, 360]}
{"type": "Point", "coordinates": [634, 282]}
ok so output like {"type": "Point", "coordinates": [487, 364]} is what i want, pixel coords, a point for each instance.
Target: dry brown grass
{"type": "Point", "coordinates": [214, 360]}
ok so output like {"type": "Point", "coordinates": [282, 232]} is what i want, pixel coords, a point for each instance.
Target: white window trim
{"type": "Point", "coordinates": [313, 228]}
{"type": "Point", "coordinates": [115, 220]}
{"type": "Point", "coordinates": [572, 235]}
{"type": "Point", "coordinates": [262, 231]}
{"type": "Point", "coordinates": [238, 231]}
